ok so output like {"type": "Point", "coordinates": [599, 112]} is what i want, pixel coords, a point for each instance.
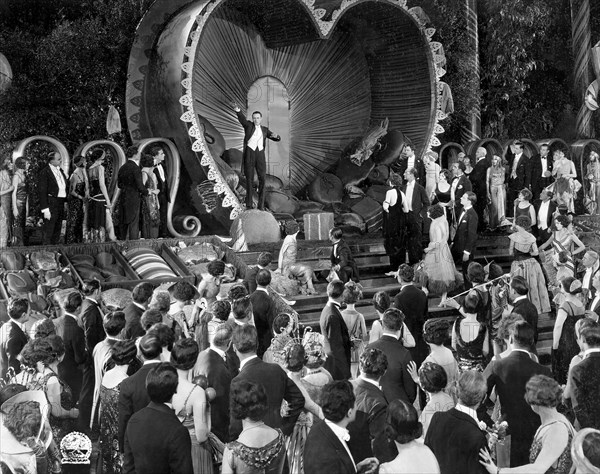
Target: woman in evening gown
{"type": "Point", "coordinates": [523, 206]}
{"type": "Point", "coordinates": [524, 249]}
{"type": "Point", "coordinates": [6, 207]}
{"type": "Point", "coordinates": [259, 448]}
{"type": "Point", "coordinates": [432, 172]}
{"type": "Point", "coordinates": [78, 193]}
{"type": "Point", "coordinates": [99, 199]}
{"type": "Point", "coordinates": [469, 336]}
{"type": "Point", "coordinates": [566, 185]}
{"type": "Point", "coordinates": [496, 177]}
{"type": "Point", "coordinates": [150, 212]}
{"type": "Point", "coordinates": [355, 322]}
{"type": "Point", "coordinates": [122, 354]}
{"type": "Point", "coordinates": [438, 263]}
{"type": "Point", "coordinates": [394, 223]}
{"type": "Point", "coordinates": [442, 194]}
{"type": "Point", "coordinates": [210, 285]}
{"type": "Point", "coordinates": [191, 405]}
{"type": "Point", "coordinates": [592, 176]}
{"type": "Point", "coordinates": [19, 199]}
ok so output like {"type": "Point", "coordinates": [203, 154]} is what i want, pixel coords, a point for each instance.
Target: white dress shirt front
{"type": "Point", "coordinates": [256, 140]}
{"type": "Point", "coordinates": [62, 185]}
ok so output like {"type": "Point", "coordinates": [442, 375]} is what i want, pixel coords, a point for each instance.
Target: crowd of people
{"type": "Point", "coordinates": [82, 201]}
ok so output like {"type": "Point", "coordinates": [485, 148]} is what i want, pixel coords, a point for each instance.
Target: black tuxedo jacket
{"type": "Point", "coordinates": [162, 186]}
{"type": "Point", "coordinates": [585, 380]}
{"type": "Point", "coordinates": [523, 172]}
{"type": "Point", "coordinates": [551, 210]}
{"type": "Point", "coordinates": [337, 344]}
{"type": "Point", "coordinates": [529, 312]}
{"type": "Point", "coordinates": [478, 178]}
{"type": "Point", "coordinates": [367, 431]}
{"type": "Point", "coordinates": [48, 186]}
{"type": "Point", "coordinates": [132, 398]}
{"type": "Point", "coordinates": [76, 356]}
{"type": "Point", "coordinates": [455, 439]}
{"type": "Point", "coordinates": [413, 303]}
{"type": "Point", "coordinates": [420, 201]}
{"type": "Point", "coordinates": [249, 129]}
{"type": "Point", "coordinates": [157, 443]}
{"type": "Point", "coordinates": [12, 341]}
{"type": "Point", "coordinates": [133, 326]}
{"type": "Point", "coordinates": [212, 365]}
{"type": "Point", "coordinates": [132, 188]}
{"type": "Point", "coordinates": [343, 257]}
{"type": "Point", "coordinates": [419, 167]}
{"type": "Point", "coordinates": [91, 320]}
{"type": "Point", "coordinates": [324, 452]}
{"type": "Point", "coordinates": [263, 309]}
{"type": "Point", "coordinates": [537, 181]}
{"type": "Point", "coordinates": [279, 387]}
{"type": "Point", "coordinates": [250, 278]}
{"type": "Point", "coordinates": [396, 382]}
{"type": "Point", "coordinates": [510, 375]}
{"type": "Point", "coordinates": [466, 233]}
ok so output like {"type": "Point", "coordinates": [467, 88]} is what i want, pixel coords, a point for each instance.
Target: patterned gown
{"type": "Point", "coordinates": [470, 354]}
{"type": "Point", "coordinates": [109, 430]}
{"type": "Point", "coordinates": [201, 453]}
{"type": "Point", "coordinates": [75, 214]}
{"type": "Point", "coordinates": [96, 208]}
{"type": "Point", "coordinates": [6, 211]}
{"type": "Point", "coordinates": [266, 460]}
{"type": "Point", "coordinates": [150, 211]}
{"type": "Point", "coordinates": [564, 461]}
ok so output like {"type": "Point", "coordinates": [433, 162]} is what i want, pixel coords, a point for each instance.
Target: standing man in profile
{"type": "Point", "coordinates": [53, 196]}
{"type": "Point", "coordinates": [465, 239]}
{"type": "Point", "coordinates": [132, 188]}
{"type": "Point", "coordinates": [416, 205]}
{"type": "Point", "coordinates": [541, 171]}
{"type": "Point", "coordinates": [519, 177]}
{"type": "Point", "coordinates": [255, 139]}
{"type": "Point", "coordinates": [164, 192]}
{"type": "Point", "coordinates": [478, 180]}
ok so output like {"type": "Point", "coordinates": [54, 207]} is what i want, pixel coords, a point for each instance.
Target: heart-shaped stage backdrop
{"type": "Point", "coordinates": [340, 65]}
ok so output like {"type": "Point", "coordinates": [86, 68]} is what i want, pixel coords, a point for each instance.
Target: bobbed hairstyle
{"type": "Point", "coordinates": [337, 398]}
{"type": "Point", "coordinates": [23, 420]}
{"type": "Point", "coordinates": [526, 193]}
{"type": "Point", "coordinates": [381, 301]}
{"type": "Point", "coordinates": [236, 292]}
{"type": "Point", "coordinates": [562, 219]}
{"type": "Point", "coordinates": [435, 211]}
{"type": "Point", "coordinates": [402, 422]}
{"type": "Point", "coordinates": [183, 291]}
{"type": "Point", "coordinates": [295, 356]}
{"type": "Point", "coordinates": [185, 354]}
{"type": "Point", "coordinates": [220, 309]}
{"type": "Point", "coordinates": [543, 391]}
{"type": "Point", "coordinates": [436, 331]}
{"type": "Point", "coordinates": [21, 163]}
{"type": "Point", "coordinates": [39, 350]}
{"type": "Point", "coordinates": [45, 328]}
{"type": "Point", "coordinates": [352, 292]}
{"type": "Point", "coordinates": [149, 318]}
{"type": "Point", "coordinates": [142, 292]}
{"type": "Point", "coordinates": [161, 383]}
{"type": "Point", "coordinates": [447, 174]}
{"type": "Point", "coordinates": [433, 377]}
{"type": "Point", "coordinates": [164, 334]}
{"type": "Point", "coordinates": [476, 273]}
{"type": "Point", "coordinates": [373, 363]}
{"type": "Point", "coordinates": [113, 323]}
{"type": "Point", "coordinates": [248, 400]}
{"type": "Point", "coordinates": [571, 285]}
{"type": "Point", "coordinates": [524, 222]}
{"type": "Point", "coordinates": [123, 352]}
{"type": "Point", "coordinates": [281, 321]}
{"type": "Point", "coordinates": [216, 268]}
{"type": "Point", "coordinates": [471, 303]}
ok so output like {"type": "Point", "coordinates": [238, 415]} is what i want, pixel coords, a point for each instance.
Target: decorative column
{"type": "Point", "coordinates": [582, 43]}
{"type": "Point", "coordinates": [471, 127]}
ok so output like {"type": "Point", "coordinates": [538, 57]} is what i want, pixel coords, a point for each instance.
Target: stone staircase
{"type": "Point", "coordinates": [373, 263]}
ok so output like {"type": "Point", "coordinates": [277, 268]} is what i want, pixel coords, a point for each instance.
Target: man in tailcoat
{"type": "Point", "coordinates": [53, 187]}
{"type": "Point", "coordinates": [519, 175]}
{"type": "Point", "coordinates": [465, 239]}
{"type": "Point", "coordinates": [132, 189]}
{"type": "Point", "coordinates": [13, 336]}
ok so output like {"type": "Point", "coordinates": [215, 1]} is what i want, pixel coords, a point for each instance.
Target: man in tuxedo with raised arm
{"type": "Point", "coordinates": [255, 141]}
{"type": "Point", "coordinates": [53, 187]}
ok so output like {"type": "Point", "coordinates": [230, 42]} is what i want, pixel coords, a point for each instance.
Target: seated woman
{"type": "Point", "coordinates": [403, 426]}
{"type": "Point", "coordinates": [551, 447]}
{"type": "Point", "coordinates": [259, 448]}
{"type": "Point", "coordinates": [469, 336]}
{"type": "Point", "coordinates": [381, 302]}
{"type": "Point", "coordinates": [287, 266]}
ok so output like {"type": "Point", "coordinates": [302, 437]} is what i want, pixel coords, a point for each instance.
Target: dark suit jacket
{"type": "Point", "coordinates": [162, 186]}
{"type": "Point", "coordinates": [523, 172]}
{"type": "Point", "coordinates": [343, 257]}
{"type": "Point", "coordinates": [91, 320]}
{"type": "Point", "coordinates": [157, 443]}
{"type": "Point", "coordinates": [132, 398]}
{"type": "Point", "coordinates": [12, 341]}
{"type": "Point", "coordinates": [478, 178]}
{"type": "Point", "coordinates": [402, 165]}
{"type": "Point", "coordinates": [413, 303]}
{"type": "Point", "coordinates": [529, 312]}
{"type": "Point", "coordinates": [250, 278]}
{"type": "Point", "coordinates": [551, 211]}
{"type": "Point", "coordinates": [337, 342]}
{"type": "Point", "coordinates": [585, 379]}
{"type": "Point", "coordinates": [279, 387]}
{"type": "Point", "coordinates": [367, 431]}
{"type": "Point", "coordinates": [463, 185]}
{"type": "Point", "coordinates": [455, 439]}
{"type": "Point", "coordinates": [420, 201]}
{"type": "Point", "coordinates": [47, 185]}
{"type": "Point", "coordinates": [263, 309]}
{"type": "Point", "coordinates": [396, 382]}
{"type": "Point", "coordinates": [466, 234]}
{"type": "Point", "coordinates": [219, 377]}
{"type": "Point", "coordinates": [133, 327]}
{"type": "Point", "coordinates": [71, 367]}
{"type": "Point", "coordinates": [537, 182]}
{"type": "Point", "coordinates": [249, 129]}
{"type": "Point", "coordinates": [510, 375]}
{"type": "Point", "coordinates": [324, 452]}
{"type": "Point", "coordinates": [132, 187]}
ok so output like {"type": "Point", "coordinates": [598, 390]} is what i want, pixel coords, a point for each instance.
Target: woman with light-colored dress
{"type": "Point", "coordinates": [592, 176]}
{"type": "Point", "coordinates": [566, 185]}
{"type": "Point", "coordinates": [19, 199]}
{"type": "Point", "coordinates": [355, 322]}
{"type": "Point", "coordinates": [150, 207]}
{"type": "Point", "coordinates": [496, 186]}
{"type": "Point", "coordinates": [6, 197]}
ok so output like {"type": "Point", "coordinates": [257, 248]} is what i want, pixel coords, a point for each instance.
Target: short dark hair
{"type": "Point", "coordinates": [476, 272]}
{"type": "Point", "coordinates": [242, 307]}
{"type": "Point", "coordinates": [527, 194]}
{"type": "Point", "coordinates": [17, 307]}
{"type": "Point", "coordinates": [113, 323]}
{"type": "Point", "coordinates": [216, 268]}
{"type": "Point", "coordinates": [248, 400]}
{"type": "Point", "coordinates": [336, 233]}
{"type": "Point", "coordinates": [564, 220]}
{"type": "Point", "coordinates": [543, 391]}
{"type": "Point", "coordinates": [373, 363]}
{"type": "Point", "coordinates": [472, 388]}
{"type": "Point", "coordinates": [472, 197]}
{"type": "Point", "coordinates": [245, 339]}
{"type": "Point", "coordinates": [183, 291]}
{"type": "Point", "coordinates": [392, 319]}
{"type": "Point", "coordinates": [522, 333]}
{"type": "Point", "coordinates": [518, 143]}
{"type": "Point", "coordinates": [221, 309]}
{"type": "Point", "coordinates": [50, 155]}
{"type": "Point", "coordinates": [185, 354]}
{"type": "Point", "coordinates": [164, 333]}
{"type": "Point", "coordinates": [237, 291]}
{"type": "Point", "coordinates": [21, 163]}
{"type": "Point", "coordinates": [337, 398]}
{"type": "Point", "coordinates": [155, 149]}
{"type": "Point", "coordinates": [43, 350]}
{"type": "Point", "coordinates": [433, 377]}
{"type": "Point", "coordinates": [567, 284]}
{"type": "Point", "coordinates": [264, 259]}
{"type": "Point", "coordinates": [506, 325]}
{"type": "Point", "coordinates": [131, 151]}
{"type": "Point", "coordinates": [523, 221]}
{"type": "Point", "coordinates": [447, 174]}
{"type": "Point", "coordinates": [519, 285]}
{"type": "Point", "coordinates": [73, 301]}
{"type": "Point", "coordinates": [295, 357]}
{"type": "Point", "coordinates": [436, 331]}
{"type": "Point", "coordinates": [44, 328]}
{"type": "Point", "coordinates": [496, 271]}
{"type": "Point", "coordinates": [406, 272]}
{"type": "Point", "coordinates": [142, 292]}
{"type": "Point", "coordinates": [335, 288]}
{"type": "Point", "coordinates": [280, 322]}
{"type": "Point", "coordinates": [147, 161]}
{"type": "Point", "coordinates": [222, 335]}
{"type": "Point", "coordinates": [471, 302]}
{"type": "Point", "coordinates": [381, 301]}
{"type": "Point", "coordinates": [436, 211]}
{"type": "Point", "coordinates": [150, 347]}
{"type": "Point", "coordinates": [263, 277]}
{"type": "Point", "coordinates": [90, 285]}
{"type": "Point", "coordinates": [161, 383]}
{"type": "Point", "coordinates": [591, 335]}
{"type": "Point", "coordinates": [291, 227]}
{"type": "Point", "coordinates": [402, 422]}
{"type": "Point", "coordinates": [23, 420]}
{"type": "Point", "coordinates": [256, 112]}
{"type": "Point", "coordinates": [461, 165]}
{"type": "Point", "coordinates": [149, 318]}
{"type": "Point", "coordinates": [123, 352]}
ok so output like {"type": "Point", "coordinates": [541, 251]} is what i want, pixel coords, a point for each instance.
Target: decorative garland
{"type": "Point", "coordinates": [325, 27]}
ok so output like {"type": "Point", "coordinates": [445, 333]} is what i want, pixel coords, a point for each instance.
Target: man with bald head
{"type": "Point", "coordinates": [479, 183]}
{"type": "Point", "coordinates": [53, 187]}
